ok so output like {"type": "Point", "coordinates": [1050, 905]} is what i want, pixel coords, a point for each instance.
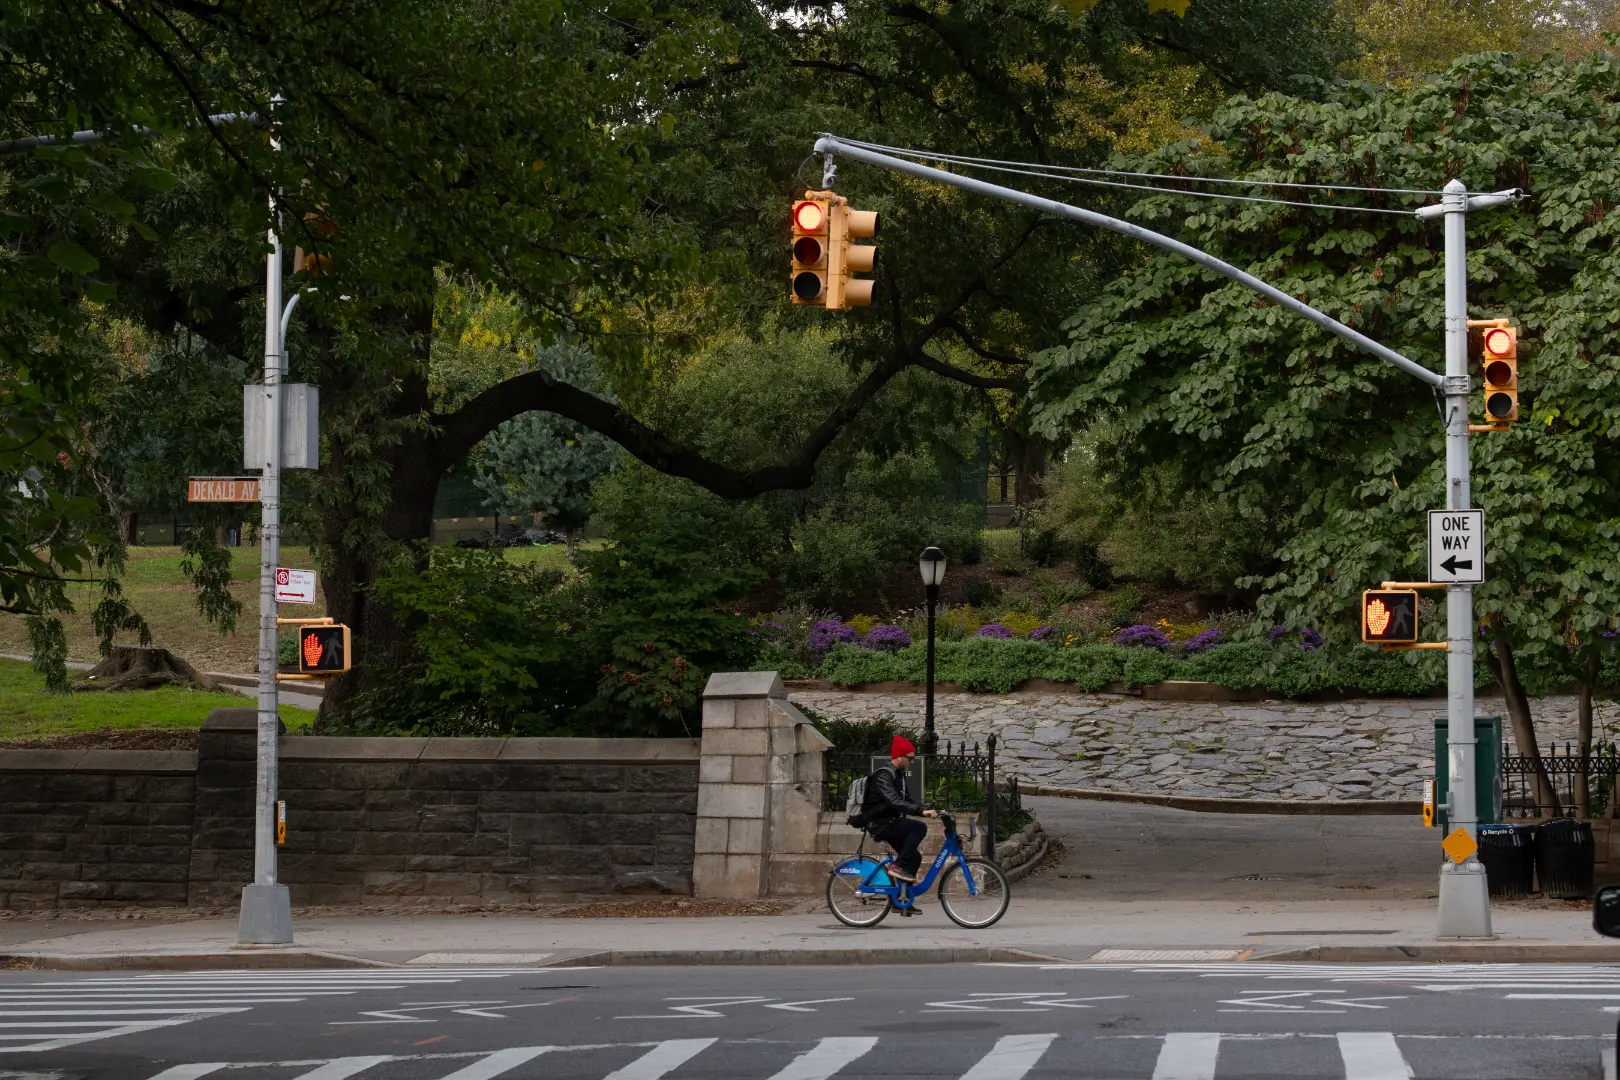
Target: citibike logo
{"type": "Point", "coordinates": [853, 871]}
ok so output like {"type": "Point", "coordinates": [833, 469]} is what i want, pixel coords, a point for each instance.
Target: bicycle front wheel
{"type": "Point", "coordinates": [984, 904]}
{"type": "Point", "coordinates": [846, 901]}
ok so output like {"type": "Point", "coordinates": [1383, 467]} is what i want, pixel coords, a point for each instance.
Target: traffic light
{"type": "Point", "coordinates": [824, 260]}
{"type": "Point", "coordinates": [1389, 616]}
{"type": "Point", "coordinates": [323, 649]}
{"type": "Point", "coordinates": [845, 258]}
{"type": "Point", "coordinates": [1499, 353]}
{"type": "Point", "coordinates": [811, 222]}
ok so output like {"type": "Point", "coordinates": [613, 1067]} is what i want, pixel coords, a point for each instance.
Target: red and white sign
{"type": "Point", "coordinates": [295, 586]}
{"type": "Point", "coordinates": [228, 489]}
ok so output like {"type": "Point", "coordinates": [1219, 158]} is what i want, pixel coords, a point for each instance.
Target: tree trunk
{"type": "Point", "coordinates": [1518, 710]}
{"type": "Point", "coordinates": [568, 540]}
{"type": "Point", "coordinates": [142, 667]}
{"type": "Point", "coordinates": [1583, 737]}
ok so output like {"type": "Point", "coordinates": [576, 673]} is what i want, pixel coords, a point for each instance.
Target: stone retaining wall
{"type": "Point", "coordinates": [374, 821]}
{"type": "Point", "coordinates": [1298, 751]}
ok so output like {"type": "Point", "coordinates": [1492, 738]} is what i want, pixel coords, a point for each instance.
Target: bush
{"type": "Point", "coordinates": [886, 639]}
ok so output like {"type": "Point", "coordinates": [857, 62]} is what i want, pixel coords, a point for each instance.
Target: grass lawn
{"type": "Point", "coordinates": [154, 584]}
{"type": "Point", "coordinates": [29, 711]}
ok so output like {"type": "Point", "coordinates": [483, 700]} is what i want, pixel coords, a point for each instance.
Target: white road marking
{"type": "Point", "coordinates": [191, 1071]}
{"type": "Point", "coordinates": [1188, 1055]}
{"type": "Point", "coordinates": [1044, 1001]}
{"type": "Point", "coordinates": [1372, 1055]}
{"type": "Point", "coordinates": [342, 1068]}
{"type": "Point", "coordinates": [493, 1065]}
{"type": "Point", "coordinates": [667, 1055]}
{"type": "Point", "coordinates": [825, 1058]}
{"type": "Point", "coordinates": [1010, 1058]}
{"type": "Point", "coordinates": [798, 1006]}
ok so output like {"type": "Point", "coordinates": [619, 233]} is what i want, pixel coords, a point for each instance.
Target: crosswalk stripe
{"type": "Point", "coordinates": [1010, 1058]}
{"type": "Point", "coordinates": [825, 1058]}
{"type": "Point", "coordinates": [1372, 1055]}
{"type": "Point", "coordinates": [342, 1068]}
{"type": "Point", "coordinates": [1188, 1055]}
{"type": "Point", "coordinates": [190, 1071]}
{"type": "Point", "coordinates": [492, 1065]}
{"type": "Point", "coordinates": [667, 1055]}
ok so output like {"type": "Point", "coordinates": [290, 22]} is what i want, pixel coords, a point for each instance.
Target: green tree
{"type": "Point", "coordinates": [1285, 423]}
{"type": "Point", "coordinates": [541, 463]}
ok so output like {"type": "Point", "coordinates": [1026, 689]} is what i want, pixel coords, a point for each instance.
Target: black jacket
{"type": "Point", "coordinates": [887, 799]}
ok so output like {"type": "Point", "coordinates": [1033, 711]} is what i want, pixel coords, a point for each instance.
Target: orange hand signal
{"type": "Point", "coordinates": [313, 649]}
{"type": "Point", "coordinates": [1377, 617]}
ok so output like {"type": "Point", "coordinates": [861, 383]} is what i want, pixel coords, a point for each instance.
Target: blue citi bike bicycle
{"type": "Point", "coordinates": [972, 891]}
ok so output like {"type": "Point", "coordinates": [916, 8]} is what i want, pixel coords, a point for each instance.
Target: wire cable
{"type": "Point", "coordinates": [1195, 194]}
{"type": "Point", "coordinates": [1143, 175]}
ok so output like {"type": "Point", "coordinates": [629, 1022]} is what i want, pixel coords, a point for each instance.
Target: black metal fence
{"type": "Point", "coordinates": [1571, 781]}
{"type": "Point", "coordinates": [957, 778]}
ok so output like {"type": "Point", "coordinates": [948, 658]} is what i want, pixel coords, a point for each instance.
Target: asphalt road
{"type": "Point", "coordinates": [975, 1022]}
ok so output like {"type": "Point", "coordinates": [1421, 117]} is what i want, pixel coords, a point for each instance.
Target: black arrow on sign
{"type": "Point", "coordinates": [1451, 565]}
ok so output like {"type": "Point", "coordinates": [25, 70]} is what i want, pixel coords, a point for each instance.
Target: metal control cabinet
{"type": "Point", "coordinates": [1487, 769]}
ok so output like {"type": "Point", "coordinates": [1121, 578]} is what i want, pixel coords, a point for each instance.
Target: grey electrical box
{"type": "Point", "coordinates": [300, 426]}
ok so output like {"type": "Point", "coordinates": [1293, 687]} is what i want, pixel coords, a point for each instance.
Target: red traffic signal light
{"type": "Point", "coordinates": [810, 233]}
{"type": "Point", "coordinates": [323, 649]}
{"type": "Point", "coordinates": [1389, 616]}
{"type": "Point", "coordinates": [1499, 353]}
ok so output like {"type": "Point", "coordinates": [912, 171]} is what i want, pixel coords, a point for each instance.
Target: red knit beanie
{"type": "Point", "coordinates": [901, 747]}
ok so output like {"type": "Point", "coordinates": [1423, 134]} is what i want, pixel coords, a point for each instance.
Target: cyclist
{"type": "Point", "coordinates": [889, 809]}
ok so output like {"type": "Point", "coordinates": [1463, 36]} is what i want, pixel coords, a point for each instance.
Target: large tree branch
{"type": "Point", "coordinates": [538, 391]}
{"type": "Point", "coordinates": [983, 350]}
{"type": "Point", "coordinates": [967, 378]}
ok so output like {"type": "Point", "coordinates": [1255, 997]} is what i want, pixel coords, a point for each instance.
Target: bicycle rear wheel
{"type": "Point", "coordinates": [982, 907]}
{"type": "Point", "coordinates": [845, 900]}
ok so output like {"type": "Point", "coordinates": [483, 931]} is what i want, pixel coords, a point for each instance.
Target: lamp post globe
{"type": "Point", "coordinates": [931, 564]}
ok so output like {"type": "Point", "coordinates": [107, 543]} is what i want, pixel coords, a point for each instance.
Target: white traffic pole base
{"type": "Point", "coordinates": [1465, 901]}
{"type": "Point", "coordinates": [266, 917]}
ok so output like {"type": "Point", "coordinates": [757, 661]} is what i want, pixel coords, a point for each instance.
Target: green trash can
{"type": "Point", "coordinates": [1487, 770]}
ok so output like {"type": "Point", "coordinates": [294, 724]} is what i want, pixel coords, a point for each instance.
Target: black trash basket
{"type": "Point", "coordinates": [1564, 857]}
{"type": "Point", "coordinates": [1509, 855]}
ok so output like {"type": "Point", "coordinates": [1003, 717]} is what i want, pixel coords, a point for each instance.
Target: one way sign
{"type": "Point", "coordinates": [1457, 546]}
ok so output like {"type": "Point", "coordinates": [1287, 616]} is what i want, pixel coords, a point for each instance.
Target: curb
{"type": "Point", "coordinates": [1447, 953]}
{"type": "Point", "coordinates": [1213, 805]}
{"type": "Point", "coordinates": [986, 954]}
{"type": "Point", "coordinates": [264, 958]}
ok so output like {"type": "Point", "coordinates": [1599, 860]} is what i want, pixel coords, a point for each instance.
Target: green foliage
{"type": "Point", "coordinates": [984, 664]}
{"type": "Point", "coordinates": [542, 463]}
{"type": "Point", "coordinates": [1407, 39]}
{"type": "Point", "coordinates": [1171, 366]}
{"type": "Point", "coordinates": [856, 736]}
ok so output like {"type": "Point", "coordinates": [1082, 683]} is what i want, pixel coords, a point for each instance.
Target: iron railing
{"type": "Point", "coordinates": [1571, 781]}
{"type": "Point", "coordinates": [957, 778]}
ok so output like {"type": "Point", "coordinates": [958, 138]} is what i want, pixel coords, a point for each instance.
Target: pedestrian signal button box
{"type": "Point", "coordinates": [323, 650]}
{"type": "Point", "coordinates": [1389, 616]}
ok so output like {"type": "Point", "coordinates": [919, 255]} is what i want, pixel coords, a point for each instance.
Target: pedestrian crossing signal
{"type": "Point", "coordinates": [323, 650]}
{"type": "Point", "coordinates": [1389, 616]}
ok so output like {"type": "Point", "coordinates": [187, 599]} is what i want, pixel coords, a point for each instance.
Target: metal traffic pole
{"type": "Point", "coordinates": [266, 916]}
{"type": "Point", "coordinates": [1464, 907]}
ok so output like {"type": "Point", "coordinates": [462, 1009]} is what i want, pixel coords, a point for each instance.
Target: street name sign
{"type": "Point", "coordinates": [295, 586]}
{"type": "Point", "coordinates": [1457, 546]}
{"type": "Point", "coordinates": [223, 489]}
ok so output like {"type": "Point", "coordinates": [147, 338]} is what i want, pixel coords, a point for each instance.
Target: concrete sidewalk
{"type": "Point", "coordinates": [1034, 929]}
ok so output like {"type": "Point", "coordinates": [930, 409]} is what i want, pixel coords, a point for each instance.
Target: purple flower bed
{"type": "Point", "coordinates": [1041, 633]}
{"type": "Point", "coordinates": [886, 639]}
{"type": "Point", "coordinates": [829, 632]}
{"type": "Point", "coordinates": [1141, 636]}
{"type": "Point", "coordinates": [995, 630]}
{"type": "Point", "coordinates": [1203, 641]}
{"type": "Point", "coordinates": [1309, 639]}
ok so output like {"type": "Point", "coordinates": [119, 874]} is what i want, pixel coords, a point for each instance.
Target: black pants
{"type": "Point", "coordinates": [905, 835]}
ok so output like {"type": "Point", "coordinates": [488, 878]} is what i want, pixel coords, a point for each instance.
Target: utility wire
{"type": "Point", "coordinates": [1196, 194]}
{"type": "Point", "coordinates": [1144, 175]}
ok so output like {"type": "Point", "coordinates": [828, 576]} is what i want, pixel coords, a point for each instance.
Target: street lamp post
{"type": "Point", "coordinates": [931, 563]}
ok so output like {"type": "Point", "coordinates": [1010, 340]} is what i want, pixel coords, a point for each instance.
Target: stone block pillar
{"type": "Point", "coordinates": [759, 789]}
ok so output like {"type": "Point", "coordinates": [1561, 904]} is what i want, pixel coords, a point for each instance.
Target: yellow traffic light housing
{"type": "Point", "coordinates": [824, 260]}
{"type": "Point", "coordinates": [1499, 354]}
{"type": "Point", "coordinates": [845, 258]}
{"type": "Point", "coordinates": [1389, 616]}
{"type": "Point", "coordinates": [811, 225]}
